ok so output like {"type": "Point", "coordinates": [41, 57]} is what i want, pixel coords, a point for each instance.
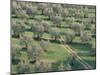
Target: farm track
{"type": "Point", "coordinates": [78, 58]}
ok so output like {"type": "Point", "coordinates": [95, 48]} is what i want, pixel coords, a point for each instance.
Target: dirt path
{"type": "Point", "coordinates": [78, 58]}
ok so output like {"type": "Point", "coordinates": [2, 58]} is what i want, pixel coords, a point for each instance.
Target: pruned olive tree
{"type": "Point", "coordinates": [26, 40]}
{"type": "Point", "coordinates": [57, 20]}
{"type": "Point", "coordinates": [55, 34]}
{"type": "Point", "coordinates": [15, 53]}
{"type": "Point", "coordinates": [65, 12]}
{"type": "Point", "coordinates": [77, 27]}
{"type": "Point", "coordinates": [86, 14]}
{"type": "Point", "coordinates": [42, 7]}
{"type": "Point", "coordinates": [42, 66]}
{"type": "Point", "coordinates": [93, 51]}
{"type": "Point", "coordinates": [21, 14]}
{"type": "Point", "coordinates": [38, 30]}
{"type": "Point", "coordinates": [18, 28]}
{"type": "Point", "coordinates": [45, 45]}
{"type": "Point", "coordinates": [23, 68]}
{"type": "Point", "coordinates": [34, 53]}
{"type": "Point", "coordinates": [61, 67]}
{"type": "Point", "coordinates": [57, 8]}
{"type": "Point", "coordinates": [93, 29]}
{"type": "Point", "coordinates": [46, 26]}
{"type": "Point", "coordinates": [31, 10]}
{"type": "Point", "coordinates": [49, 12]}
{"type": "Point", "coordinates": [15, 6]}
{"type": "Point", "coordinates": [85, 37]}
{"type": "Point", "coordinates": [68, 63]}
{"type": "Point", "coordinates": [70, 36]}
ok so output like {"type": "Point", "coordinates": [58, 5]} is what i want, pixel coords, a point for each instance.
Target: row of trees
{"type": "Point", "coordinates": [18, 29]}
{"type": "Point", "coordinates": [43, 66]}
{"type": "Point", "coordinates": [57, 11]}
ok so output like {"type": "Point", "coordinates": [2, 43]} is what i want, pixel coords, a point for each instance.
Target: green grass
{"type": "Point", "coordinates": [55, 52]}
{"type": "Point", "coordinates": [13, 68]}
{"type": "Point", "coordinates": [90, 60]}
{"type": "Point", "coordinates": [84, 52]}
{"type": "Point", "coordinates": [15, 41]}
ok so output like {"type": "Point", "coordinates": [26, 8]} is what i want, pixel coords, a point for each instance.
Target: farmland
{"type": "Point", "coordinates": [48, 37]}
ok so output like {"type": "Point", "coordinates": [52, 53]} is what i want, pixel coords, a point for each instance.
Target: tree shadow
{"type": "Point", "coordinates": [55, 41]}
{"type": "Point", "coordinates": [29, 29]}
{"type": "Point", "coordinates": [15, 36]}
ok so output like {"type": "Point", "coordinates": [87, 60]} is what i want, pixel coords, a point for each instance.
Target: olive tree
{"type": "Point", "coordinates": [42, 66]}
{"type": "Point", "coordinates": [79, 13]}
{"type": "Point", "coordinates": [57, 20]}
{"type": "Point", "coordinates": [77, 27]}
{"type": "Point", "coordinates": [34, 53]}
{"type": "Point", "coordinates": [93, 29]}
{"type": "Point", "coordinates": [26, 40]}
{"type": "Point", "coordinates": [61, 67]}
{"type": "Point", "coordinates": [42, 6]}
{"type": "Point", "coordinates": [65, 12]}
{"type": "Point", "coordinates": [23, 68]}
{"type": "Point", "coordinates": [46, 26]}
{"type": "Point", "coordinates": [69, 37]}
{"type": "Point", "coordinates": [18, 28]}
{"type": "Point", "coordinates": [21, 14]}
{"type": "Point", "coordinates": [15, 6]}
{"type": "Point", "coordinates": [86, 14]}
{"type": "Point", "coordinates": [85, 37]}
{"type": "Point", "coordinates": [31, 10]}
{"type": "Point", "coordinates": [49, 12]}
{"type": "Point", "coordinates": [45, 45]}
{"type": "Point", "coordinates": [57, 8]}
{"type": "Point", "coordinates": [15, 53]}
{"type": "Point", "coordinates": [68, 62]}
{"type": "Point", "coordinates": [38, 30]}
{"type": "Point", "coordinates": [93, 47]}
{"type": "Point", "coordinates": [55, 34]}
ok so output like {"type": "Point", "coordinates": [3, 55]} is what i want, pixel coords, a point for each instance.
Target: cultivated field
{"type": "Point", "coordinates": [47, 37]}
